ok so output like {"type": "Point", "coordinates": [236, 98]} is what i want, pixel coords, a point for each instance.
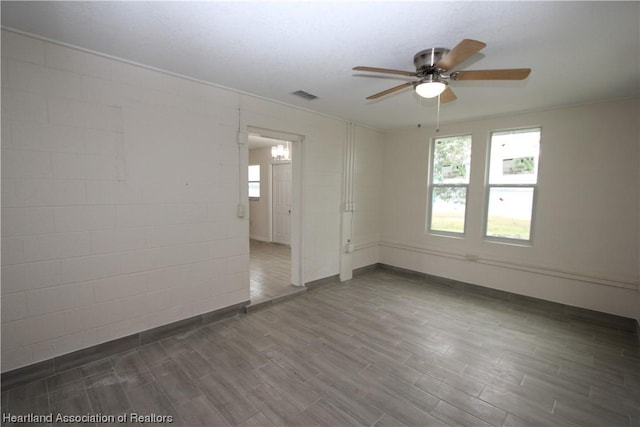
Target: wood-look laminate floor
{"type": "Point", "coordinates": [270, 271]}
{"type": "Point", "coordinates": [381, 350]}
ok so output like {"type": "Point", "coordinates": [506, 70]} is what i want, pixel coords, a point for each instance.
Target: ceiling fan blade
{"type": "Point", "coordinates": [447, 95]}
{"type": "Point", "coordinates": [463, 50]}
{"type": "Point", "coordinates": [388, 91]}
{"type": "Point", "coordinates": [506, 74]}
{"type": "Point", "coordinates": [385, 71]}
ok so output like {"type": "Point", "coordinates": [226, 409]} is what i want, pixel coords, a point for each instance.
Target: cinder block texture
{"type": "Point", "coordinates": [109, 173]}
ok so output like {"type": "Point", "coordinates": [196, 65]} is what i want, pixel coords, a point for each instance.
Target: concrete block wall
{"type": "Point", "coordinates": [367, 189]}
{"type": "Point", "coordinates": [322, 164]}
{"type": "Point", "coordinates": [120, 189]}
{"type": "Point", "coordinates": [119, 197]}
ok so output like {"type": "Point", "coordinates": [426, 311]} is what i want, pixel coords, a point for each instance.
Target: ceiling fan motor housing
{"type": "Point", "coordinates": [425, 60]}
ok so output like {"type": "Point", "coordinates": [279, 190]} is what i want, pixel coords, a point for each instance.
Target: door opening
{"type": "Point", "coordinates": [275, 216]}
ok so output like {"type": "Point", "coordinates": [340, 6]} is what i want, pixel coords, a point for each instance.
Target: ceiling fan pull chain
{"type": "Point", "coordinates": [438, 116]}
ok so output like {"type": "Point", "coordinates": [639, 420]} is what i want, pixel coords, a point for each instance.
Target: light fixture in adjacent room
{"type": "Point", "coordinates": [280, 152]}
{"type": "Point", "coordinates": [431, 86]}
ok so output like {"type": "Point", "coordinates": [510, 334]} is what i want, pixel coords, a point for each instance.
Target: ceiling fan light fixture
{"type": "Point", "coordinates": [431, 87]}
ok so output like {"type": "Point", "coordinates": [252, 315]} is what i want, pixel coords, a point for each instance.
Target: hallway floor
{"type": "Point", "coordinates": [270, 271]}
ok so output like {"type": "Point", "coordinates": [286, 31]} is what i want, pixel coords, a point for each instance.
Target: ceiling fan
{"type": "Point", "coordinates": [433, 69]}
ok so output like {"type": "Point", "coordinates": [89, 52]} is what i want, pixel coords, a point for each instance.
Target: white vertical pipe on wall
{"type": "Point", "coordinates": [243, 164]}
{"type": "Point", "coordinates": [297, 212]}
{"type": "Point", "coordinates": [346, 234]}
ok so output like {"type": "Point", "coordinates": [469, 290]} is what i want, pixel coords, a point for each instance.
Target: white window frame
{"type": "Point", "coordinates": [254, 181]}
{"type": "Point", "coordinates": [489, 186]}
{"type": "Point", "coordinates": [432, 185]}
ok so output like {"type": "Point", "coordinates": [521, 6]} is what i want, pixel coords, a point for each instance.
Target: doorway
{"type": "Point", "coordinates": [274, 215]}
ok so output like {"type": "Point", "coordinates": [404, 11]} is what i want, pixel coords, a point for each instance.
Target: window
{"type": "Point", "coordinates": [254, 182]}
{"type": "Point", "coordinates": [512, 182]}
{"type": "Point", "coordinates": [449, 184]}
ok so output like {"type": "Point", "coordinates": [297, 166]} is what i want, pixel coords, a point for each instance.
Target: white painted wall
{"type": "Point", "coordinates": [259, 214]}
{"type": "Point", "coordinates": [119, 195]}
{"type": "Point", "coordinates": [367, 195]}
{"type": "Point", "coordinates": [120, 188]}
{"type": "Point", "coordinates": [322, 153]}
{"type": "Point", "coordinates": [585, 250]}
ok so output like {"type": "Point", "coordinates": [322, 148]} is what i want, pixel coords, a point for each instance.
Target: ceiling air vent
{"type": "Point", "coordinates": [305, 95]}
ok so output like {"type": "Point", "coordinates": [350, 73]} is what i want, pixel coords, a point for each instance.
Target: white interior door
{"type": "Point", "coordinates": [281, 203]}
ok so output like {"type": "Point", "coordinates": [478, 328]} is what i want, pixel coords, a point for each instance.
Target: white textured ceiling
{"type": "Point", "coordinates": [579, 51]}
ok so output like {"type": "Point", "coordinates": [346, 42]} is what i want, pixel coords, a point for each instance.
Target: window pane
{"type": "Point", "coordinates": [514, 157]}
{"type": "Point", "coordinates": [451, 160]}
{"type": "Point", "coordinates": [448, 209]}
{"type": "Point", "coordinates": [254, 189]}
{"type": "Point", "coordinates": [509, 214]}
{"type": "Point", "coordinates": [254, 172]}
